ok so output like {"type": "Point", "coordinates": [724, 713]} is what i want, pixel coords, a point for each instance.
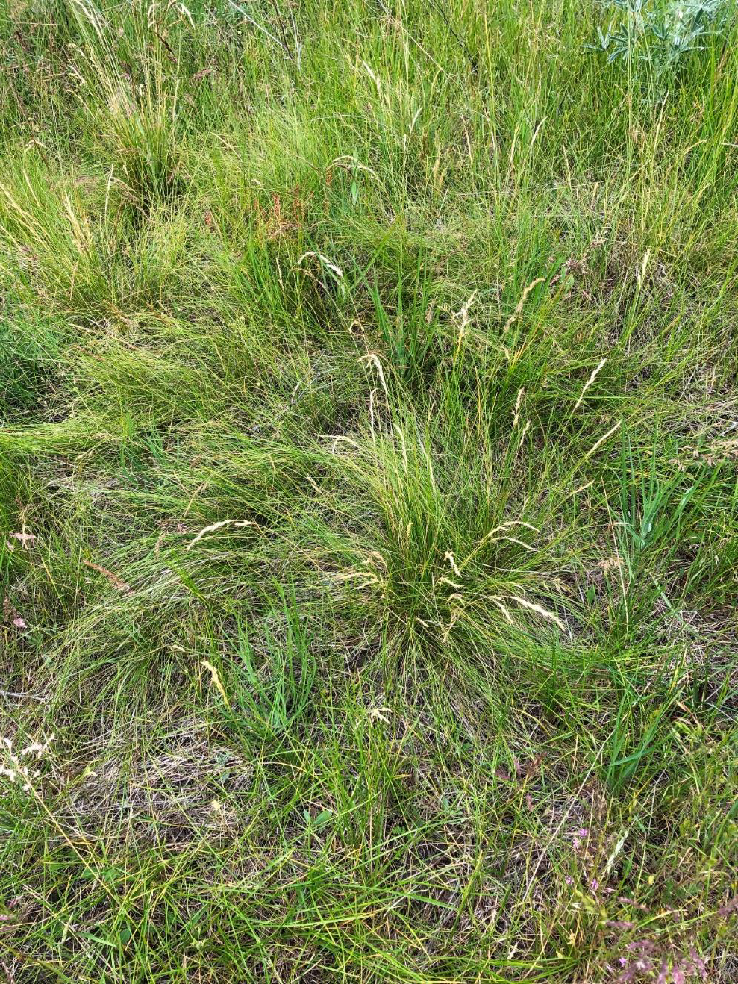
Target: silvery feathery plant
{"type": "Point", "coordinates": [659, 35]}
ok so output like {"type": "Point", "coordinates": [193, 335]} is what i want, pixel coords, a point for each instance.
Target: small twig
{"type": "Point", "coordinates": [260, 27]}
{"type": "Point", "coordinates": [462, 44]}
{"type": "Point", "coordinates": [11, 693]}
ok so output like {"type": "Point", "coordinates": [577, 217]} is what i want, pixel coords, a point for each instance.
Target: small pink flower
{"type": "Point", "coordinates": [594, 884]}
{"type": "Point", "coordinates": [19, 623]}
{"type": "Point", "coordinates": [731, 906]}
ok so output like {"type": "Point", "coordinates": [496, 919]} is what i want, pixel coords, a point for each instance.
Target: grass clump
{"type": "Point", "coordinates": [368, 501]}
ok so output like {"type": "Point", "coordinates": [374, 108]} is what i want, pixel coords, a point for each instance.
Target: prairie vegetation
{"type": "Point", "coordinates": [368, 491]}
